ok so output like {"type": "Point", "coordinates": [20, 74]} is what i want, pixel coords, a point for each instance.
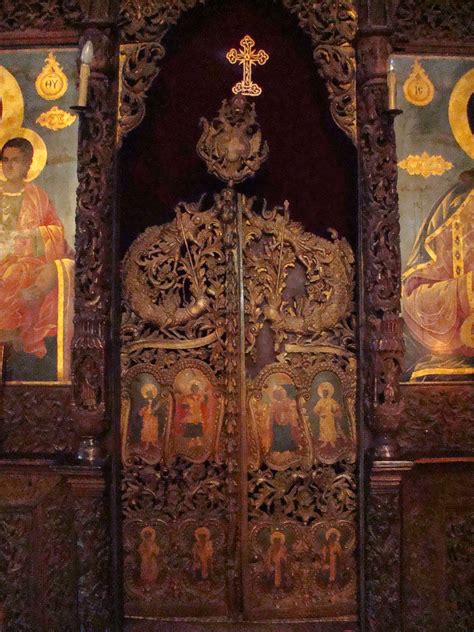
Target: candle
{"type": "Point", "coordinates": [392, 87]}
{"type": "Point", "coordinates": [86, 58]}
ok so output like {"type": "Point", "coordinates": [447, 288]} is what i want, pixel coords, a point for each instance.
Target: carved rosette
{"type": "Point", "coordinates": [144, 24]}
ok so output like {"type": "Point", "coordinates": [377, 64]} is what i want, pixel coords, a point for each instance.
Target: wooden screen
{"type": "Point", "coordinates": [238, 404]}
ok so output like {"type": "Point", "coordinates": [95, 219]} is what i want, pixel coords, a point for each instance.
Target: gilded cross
{"type": "Point", "coordinates": [247, 57]}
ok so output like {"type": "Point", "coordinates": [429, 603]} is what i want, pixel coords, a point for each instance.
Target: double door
{"type": "Point", "coordinates": [238, 417]}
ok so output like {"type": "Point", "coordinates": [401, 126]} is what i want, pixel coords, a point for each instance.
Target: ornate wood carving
{"type": "Point", "coordinates": [437, 419]}
{"type": "Point", "coordinates": [144, 23]}
{"type": "Point", "coordinates": [37, 552]}
{"type": "Point", "coordinates": [92, 528]}
{"type": "Point", "coordinates": [54, 548]}
{"type": "Point", "coordinates": [94, 244]}
{"type": "Point", "coordinates": [383, 546]}
{"type": "Point", "coordinates": [380, 245]}
{"type": "Point", "coordinates": [36, 420]}
{"type": "Point", "coordinates": [273, 515]}
{"type": "Point", "coordinates": [51, 15]}
{"type": "Point", "coordinates": [429, 22]}
{"type": "Point", "coordinates": [437, 545]}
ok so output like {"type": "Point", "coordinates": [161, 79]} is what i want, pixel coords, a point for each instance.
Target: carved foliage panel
{"type": "Point", "coordinates": [38, 589]}
{"type": "Point", "coordinates": [432, 22]}
{"type": "Point", "coordinates": [437, 549]}
{"type": "Point", "coordinates": [40, 14]}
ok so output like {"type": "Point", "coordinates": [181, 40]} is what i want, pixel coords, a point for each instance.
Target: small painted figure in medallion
{"type": "Point", "coordinates": [331, 553]}
{"type": "Point", "coordinates": [283, 421]}
{"type": "Point", "coordinates": [282, 436]}
{"type": "Point", "coordinates": [149, 431]}
{"type": "Point", "coordinates": [329, 412]}
{"type": "Point", "coordinates": [144, 412]}
{"type": "Point", "coordinates": [195, 422]}
{"type": "Point", "coordinates": [203, 553]}
{"type": "Point", "coordinates": [334, 564]}
{"type": "Point", "coordinates": [329, 419]}
{"type": "Point", "coordinates": [276, 559]}
{"type": "Point", "coordinates": [149, 552]}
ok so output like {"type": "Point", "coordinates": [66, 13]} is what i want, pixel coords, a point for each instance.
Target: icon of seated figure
{"type": "Point", "coordinates": [438, 286]}
{"type": "Point", "coordinates": [34, 255]}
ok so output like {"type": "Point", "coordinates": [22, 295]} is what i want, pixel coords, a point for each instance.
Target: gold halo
{"type": "Point", "coordinates": [146, 388]}
{"type": "Point", "coordinates": [40, 153]}
{"type": "Point", "coordinates": [202, 531]}
{"type": "Point", "coordinates": [327, 385]}
{"type": "Point", "coordinates": [12, 101]}
{"type": "Point", "coordinates": [333, 531]}
{"type": "Point", "coordinates": [277, 535]}
{"type": "Point", "coordinates": [186, 378]}
{"type": "Point", "coordinates": [457, 112]}
{"type": "Point", "coordinates": [149, 530]}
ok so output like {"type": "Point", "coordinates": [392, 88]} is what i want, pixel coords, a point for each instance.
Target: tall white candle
{"type": "Point", "coordinates": [86, 58]}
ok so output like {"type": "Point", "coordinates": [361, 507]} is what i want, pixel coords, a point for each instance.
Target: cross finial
{"type": "Point", "coordinates": [247, 57]}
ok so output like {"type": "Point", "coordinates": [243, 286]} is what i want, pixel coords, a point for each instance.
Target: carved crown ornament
{"type": "Point", "coordinates": [144, 23]}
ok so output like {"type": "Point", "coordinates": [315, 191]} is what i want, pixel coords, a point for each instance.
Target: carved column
{"type": "Point", "coordinates": [383, 542]}
{"type": "Point", "coordinates": [381, 331]}
{"type": "Point", "coordinates": [380, 243]}
{"type": "Point", "coordinates": [92, 531]}
{"type": "Point", "coordinates": [94, 243]}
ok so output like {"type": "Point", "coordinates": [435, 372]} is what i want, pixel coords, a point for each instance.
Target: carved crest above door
{"type": "Point", "coordinates": [144, 24]}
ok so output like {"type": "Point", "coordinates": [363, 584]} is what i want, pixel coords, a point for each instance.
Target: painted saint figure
{"type": "Point", "coordinates": [331, 552]}
{"type": "Point", "coordinates": [329, 412]}
{"type": "Point", "coordinates": [283, 421]}
{"type": "Point", "coordinates": [150, 427]}
{"type": "Point", "coordinates": [276, 558]}
{"type": "Point", "coordinates": [203, 553]}
{"type": "Point", "coordinates": [193, 412]}
{"type": "Point", "coordinates": [149, 551]}
{"type": "Point", "coordinates": [32, 252]}
{"type": "Point", "coordinates": [438, 285]}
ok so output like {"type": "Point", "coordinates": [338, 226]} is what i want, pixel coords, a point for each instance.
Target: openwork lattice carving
{"type": "Point", "coordinates": [330, 26]}
{"type": "Point", "coordinates": [238, 404]}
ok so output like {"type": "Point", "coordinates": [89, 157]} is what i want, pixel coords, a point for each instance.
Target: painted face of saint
{"type": "Point", "coordinates": [15, 164]}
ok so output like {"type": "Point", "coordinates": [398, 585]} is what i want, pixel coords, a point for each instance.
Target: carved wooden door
{"type": "Point", "coordinates": [238, 400]}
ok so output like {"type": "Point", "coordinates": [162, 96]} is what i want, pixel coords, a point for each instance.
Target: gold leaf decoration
{"type": "Point", "coordinates": [418, 88]}
{"type": "Point", "coordinates": [55, 118]}
{"type": "Point", "coordinates": [51, 83]}
{"type": "Point", "coordinates": [425, 165]}
{"type": "Point", "coordinates": [458, 112]}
